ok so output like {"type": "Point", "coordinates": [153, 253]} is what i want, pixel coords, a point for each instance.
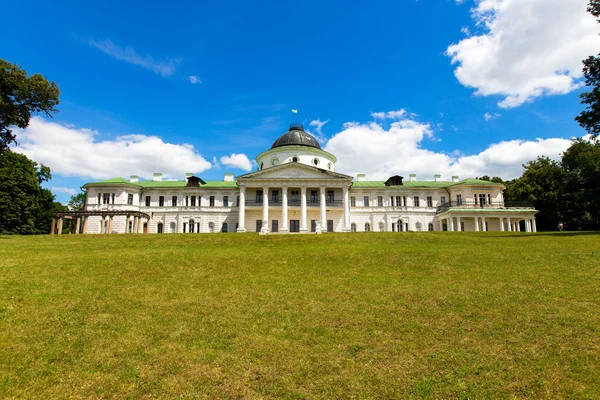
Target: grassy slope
{"type": "Point", "coordinates": [339, 315]}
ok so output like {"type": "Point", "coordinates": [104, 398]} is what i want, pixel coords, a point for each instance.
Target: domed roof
{"type": "Point", "coordinates": [296, 137]}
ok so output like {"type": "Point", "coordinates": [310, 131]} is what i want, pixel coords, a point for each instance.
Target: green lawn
{"type": "Point", "coordinates": [365, 315]}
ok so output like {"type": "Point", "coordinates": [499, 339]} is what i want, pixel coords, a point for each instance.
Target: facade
{"type": "Point", "coordinates": [297, 189]}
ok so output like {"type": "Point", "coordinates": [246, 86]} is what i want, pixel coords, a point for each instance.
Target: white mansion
{"type": "Point", "coordinates": [296, 189]}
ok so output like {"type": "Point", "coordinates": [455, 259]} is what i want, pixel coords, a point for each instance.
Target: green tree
{"type": "Point", "coordinates": [541, 184]}
{"type": "Point", "coordinates": [77, 202]}
{"type": "Point", "coordinates": [589, 118]}
{"type": "Point", "coordinates": [25, 207]}
{"type": "Point", "coordinates": [20, 96]}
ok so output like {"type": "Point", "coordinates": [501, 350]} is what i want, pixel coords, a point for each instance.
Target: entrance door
{"type": "Point", "coordinates": [294, 225]}
{"type": "Point", "coordinates": [313, 225]}
{"type": "Point", "coordinates": [275, 226]}
{"type": "Point", "coordinates": [258, 225]}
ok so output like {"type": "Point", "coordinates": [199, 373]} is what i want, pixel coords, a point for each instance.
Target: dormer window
{"type": "Point", "coordinates": [395, 180]}
{"type": "Point", "coordinates": [295, 159]}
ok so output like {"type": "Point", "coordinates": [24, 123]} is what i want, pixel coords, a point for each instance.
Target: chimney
{"type": "Point", "coordinates": [455, 178]}
{"type": "Point", "coordinates": [157, 177]}
{"type": "Point", "coordinates": [228, 177]}
{"type": "Point", "coordinates": [413, 177]}
{"type": "Point", "coordinates": [436, 177]}
{"type": "Point", "coordinates": [361, 177]}
{"type": "Point", "coordinates": [134, 178]}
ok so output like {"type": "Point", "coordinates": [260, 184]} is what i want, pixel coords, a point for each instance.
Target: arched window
{"type": "Point", "coordinates": [261, 165]}
{"type": "Point", "coordinates": [367, 227]}
{"type": "Point", "coordinates": [353, 227]}
{"type": "Point", "coordinates": [430, 227]}
{"type": "Point", "coordinates": [224, 228]}
{"type": "Point", "coordinates": [192, 225]}
{"type": "Point", "coordinates": [315, 161]}
{"type": "Point", "coordinates": [329, 166]}
{"type": "Point", "coordinates": [159, 228]}
{"type": "Point", "coordinates": [400, 226]}
{"type": "Point", "coordinates": [295, 159]}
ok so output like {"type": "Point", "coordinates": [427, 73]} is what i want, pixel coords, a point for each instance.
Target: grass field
{"type": "Point", "coordinates": [375, 315]}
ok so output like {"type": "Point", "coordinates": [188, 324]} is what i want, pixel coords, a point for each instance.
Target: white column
{"type": "Point", "coordinates": [509, 224]}
{"type": "Point", "coordinates": [451, 224]}
{"type": "Point", "coordinates": [346, 210]}
{"type": "Point", "coordinates": [265, 216]}
{"type": "Point", "coordinates": [242, 210]}
{"type": "Point", "coordinates": [303, 209]}
{"type": "Point", "coordinates": [284, 209]}
{"type": "Point", "coordinates": [502, 224]}
{"type": "Point", "coordinates": [323, 210]}
{"type": "Point", "coordinates": [476, 224]}
{"type": "Point", "coordinates": [533, 224]}
{"type": "Point", "coordinates": [518, 226]}
{"type": "Point", "coordinates": [483, 224]}
{"type": "Point", "coordinates": [527, 225]}
{"type": "Point", "coordinates": [458, 228]}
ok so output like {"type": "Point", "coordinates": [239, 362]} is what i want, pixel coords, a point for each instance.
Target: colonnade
{"type": "Point", "coordinates": [106, 222]}
{"type": "Point", "coordinates": [481, 224]}
{"type": "Point", "coordinates": [284, 208]}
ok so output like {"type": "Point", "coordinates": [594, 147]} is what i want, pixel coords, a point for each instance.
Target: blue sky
{"type": "Point", "coordinates": [470, 87]}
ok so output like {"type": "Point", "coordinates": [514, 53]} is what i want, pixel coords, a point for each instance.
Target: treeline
{"type": "Point", "coordinates": [565, 191]}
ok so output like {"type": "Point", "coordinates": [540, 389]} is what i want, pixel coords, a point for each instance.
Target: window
{"type": "Point", "coordinates": [294, 225]}
{"type": "Point", "coordinates": [443, 199]}
{"type": "Point", "coordinates": [161, 201]}
{"type": "Point", "coordinates": [313, 225]}
{"type": "Point", "coordinates": [187, 201]}
{"type": "Point", "coordinates": [429, 201]}
{"type": "Point", "coordinates": [193, 201]}
{"type": "Point", "coordinates": [275, 196]}
{"type": "Point", "coordinates": [353, 227]}
{"type": "Point", "coordinates": [212, 201]}
{"type": "Point", "coordinates": [225, 201]}
{"type": "Point", "coordinates": [400, 226]}
{"type": "Point", "coordinates": [459, 199]}
{"type": "Point", "coordinates": [274, 162]}
{"type": "Point", "coordinates": [416, 201]}
{"type": "Point", "coordinates": [147, 201]}
{"type": "Point", "coordinates": [237, 201]}
{"type": "Point", "coordinates": [174, 201]}
{"type": "Point", "coordinates": [379, 201]}
{"type": "Point", "coordinates": [367, 227]}
{"type": "Point", "coordinates": [430, 228]}
{"type": "Point", "coordinates": [258, 225]}
{"type": "Point", "coordinates": [130, 199]}
{"type": "Point", "coordinates": [329, 225]}
{"type": "Point", "coordinates": [314, 198]}
{"type": "Point", "coordinates": [184, 226]}
{"type": "Point", "coordinates": [295, 195]}
{"type": "Point", "coordinates": [366, 201]}
{"type": "Point", "coordinates": [316, 161]}
{"type": "Point", "coordinates": [392, 201]}
{"type": "Point", "coordinates": [261, 165]}
{"type": "Point", "coordinates": [418, 226]}
{"type": "Point", "coordinates": [106, 198]}
{"type": "Point", "coordinates": [259, 196]}
{"type": "Point", "coordinates": [352, 201]}
{"type": "Point", "coordinates": [192, 224]}
{"type": "Point", "coordinates": [99, 198]}
{"type": "Point", "coordinates": [224, 228]}
{"type": "Point", "coordinates": [462, 226]}
{"type": "Point", "coordinates": [404, 201]}
{"type": "Point", "coordinates": [398, 201]}
{"type": "Point", "coordinates": [482, 200]}
{"type": "Point", "coordinates": [295, 159]}
{"type": "Point", "coordinates": [113, 198]}
{"type": "Point", "coordinates": [489, 198]}
{"type": "Point", "coordinates": [159, 228]}
{"type": "Point", "coordinates": [275, 225]}
{"type": "Point", "coordinates": [329, 165]}
{"type": "Point", "coordinates": [330, 196]}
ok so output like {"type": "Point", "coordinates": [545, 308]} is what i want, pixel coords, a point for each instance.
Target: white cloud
{"type": "Point", "coordinates": [76, 152]}
{"type": "Point", "coordinates": [318, 124]}
{"type": "Point", "coordinates": [487, 116]}
{"type": "Point", "coordinates": [129, 55]}
{"type": "Point", "coordinates": [394, 115]}
{"type": "Point", "coordinates": [66, 190]}
{"type": "Point", "coordinates": [529, 48]}
{"type": "Point", "coordinates": [240, 161]}
{"type": "Point", "coordinates": [194, 79]}
{"type": "Point", "coordinates": [382, 152]}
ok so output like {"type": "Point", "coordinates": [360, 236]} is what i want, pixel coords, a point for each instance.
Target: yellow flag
{"type": "Point", "coordinates": [295, 111]}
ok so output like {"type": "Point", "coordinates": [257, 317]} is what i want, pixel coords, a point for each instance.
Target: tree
{"type": "Point", "coordinates": [20, 96]}
{"type": "Point", "coordinates": [77, 202]}
{"type": "Point", "coordinates": [589, 118]}
{"type": "Point", "coordinates": [541, 184]}
{"type": "Point", "coordinates": [25, 207]}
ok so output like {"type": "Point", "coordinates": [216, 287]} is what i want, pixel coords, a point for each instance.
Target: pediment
{"type": "Point", "coordinates": [294, 171]}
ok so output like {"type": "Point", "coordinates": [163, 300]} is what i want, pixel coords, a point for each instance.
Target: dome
{"type": "Point", "coordinates": [296, 137]}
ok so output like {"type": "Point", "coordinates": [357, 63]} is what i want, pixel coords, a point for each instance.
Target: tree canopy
{"type": "Point", "coordinates": [20, 96]}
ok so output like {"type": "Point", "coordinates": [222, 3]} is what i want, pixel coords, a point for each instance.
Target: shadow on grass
{"type": "Point", "coordinates": [531, 234]}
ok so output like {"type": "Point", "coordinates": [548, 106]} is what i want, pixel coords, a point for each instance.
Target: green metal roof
{"type": "Point", "coordinates": [473, 181]}
{"type": "Point", "coordinates": [165, 184]}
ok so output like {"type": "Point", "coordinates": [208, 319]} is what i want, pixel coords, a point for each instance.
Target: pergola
{"type": "Point", "coordinates": [80, 216]}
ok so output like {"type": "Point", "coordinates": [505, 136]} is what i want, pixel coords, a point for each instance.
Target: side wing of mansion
{"type": "Point", "coordinates": [295, 189]}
